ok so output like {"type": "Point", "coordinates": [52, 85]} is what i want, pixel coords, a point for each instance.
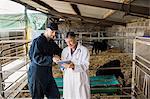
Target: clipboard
{"type": "Point", "coordinates": [62, 62]}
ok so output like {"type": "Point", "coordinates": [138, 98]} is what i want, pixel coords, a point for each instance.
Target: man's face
{"type": "Point", "coordinates": [71, 42]}
{"type": "Point", "coordinates": [51, 33]}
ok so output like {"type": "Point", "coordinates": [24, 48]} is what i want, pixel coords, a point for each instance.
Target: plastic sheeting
{"type": "Point", "coordinates": [17, 21]}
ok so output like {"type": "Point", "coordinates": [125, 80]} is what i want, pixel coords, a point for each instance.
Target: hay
{"type": "Point", "coordinates": [95, 62]}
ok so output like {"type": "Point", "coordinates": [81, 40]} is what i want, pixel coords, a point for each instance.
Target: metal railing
{"type": "Point", "coordinates": [13, 73]}
{"type": "Point", "coordinates": [141, 68]}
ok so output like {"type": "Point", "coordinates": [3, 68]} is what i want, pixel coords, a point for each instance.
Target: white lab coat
{"type": "Point", "coordinates": [76, 82]}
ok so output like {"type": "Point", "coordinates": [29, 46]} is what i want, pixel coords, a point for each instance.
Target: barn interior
{"type": "Point", "coordinates": [123, 24]}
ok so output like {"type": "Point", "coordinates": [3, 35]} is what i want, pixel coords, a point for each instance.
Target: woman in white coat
{"type": "Point", "coordinates": [76, 80]}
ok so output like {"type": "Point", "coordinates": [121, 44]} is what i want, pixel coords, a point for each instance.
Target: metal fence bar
{"type": "Point", "coordinates": [141, 69]}
{"type": "Point", "coordinates": [10, 91]}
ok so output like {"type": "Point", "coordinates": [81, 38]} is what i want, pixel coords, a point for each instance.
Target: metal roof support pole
{"type": "Point", "coordinates": [26, 28]}
{"type": "Point", "coordinates": [0, 74]}
{"type": "Point", "coordinates": [1, 77]}
{"type": "Point", "coordinates": [133, 68]}
{"type": "Point", "coordinates": [26, 45]}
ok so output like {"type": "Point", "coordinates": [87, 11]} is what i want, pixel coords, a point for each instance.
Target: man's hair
{"type": "Point", "coordinates": [70, 34]}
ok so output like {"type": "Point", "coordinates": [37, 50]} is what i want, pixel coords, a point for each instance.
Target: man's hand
{"type": "Point", "coordinates": [56, 58]}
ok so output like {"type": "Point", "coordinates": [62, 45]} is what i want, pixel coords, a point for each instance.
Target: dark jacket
{"type": "Point", "coordinates": [40, 70]}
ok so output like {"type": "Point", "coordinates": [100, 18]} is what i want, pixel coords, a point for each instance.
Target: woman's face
{"type": "Point", "coordinates": [71, 42]}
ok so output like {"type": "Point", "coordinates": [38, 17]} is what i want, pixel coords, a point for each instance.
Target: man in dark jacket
{"type": "Point", "coordinates": [41, 54]}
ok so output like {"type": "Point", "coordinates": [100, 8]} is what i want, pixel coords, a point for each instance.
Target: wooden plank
{"type": "Point", "coordinates": [114, 6]}
{"type": "Point", "coordinates": [76, 9]}
{"type": "Point", "coordinates": [15, 41]}
{"type": "Point", "coordinates": [13, 67]}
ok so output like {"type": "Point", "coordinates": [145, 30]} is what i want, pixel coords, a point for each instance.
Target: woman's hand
{"type": "Point", "coordinates": [70, 65]}
{"type": "Point", "coordinates": [56, 59]}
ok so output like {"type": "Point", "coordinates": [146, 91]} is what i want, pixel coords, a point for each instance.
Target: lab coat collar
{"type": "Point", "coordinates": [78, 46]}
{"type": "Point", "coordinates": [77, 49]}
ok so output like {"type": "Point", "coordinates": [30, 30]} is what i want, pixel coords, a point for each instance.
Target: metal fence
{"type": "Point", "coordinates": [141, 68]}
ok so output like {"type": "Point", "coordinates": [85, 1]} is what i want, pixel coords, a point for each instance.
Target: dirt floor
{"type": "Point", "coordinates": [95, 62]}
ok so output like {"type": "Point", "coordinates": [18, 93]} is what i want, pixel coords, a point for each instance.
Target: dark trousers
{"type": "Point", "coordinates": [38, 91]}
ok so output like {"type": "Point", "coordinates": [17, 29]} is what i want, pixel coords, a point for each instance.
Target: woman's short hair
{"type": "Point", "coordinates": [70, 34]}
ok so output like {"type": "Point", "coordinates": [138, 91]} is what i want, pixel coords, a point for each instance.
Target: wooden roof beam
{"type": "Point", "coordinates": [56, 13]}
{"type": "Point", "coordinates": [26, 5]}
{"type": "Point", "coordinates": [113, 5]}
{"type": "Point", "coordinates": [51, 10]}
{"type": "Point", "coordinates": [94, 19]}
{"type": "Point", "coordinates": [60, 15]}
{"type": "Point", "coordinates": [76, 9]}
{"type": "Point", "coordinates": [109, 13]}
